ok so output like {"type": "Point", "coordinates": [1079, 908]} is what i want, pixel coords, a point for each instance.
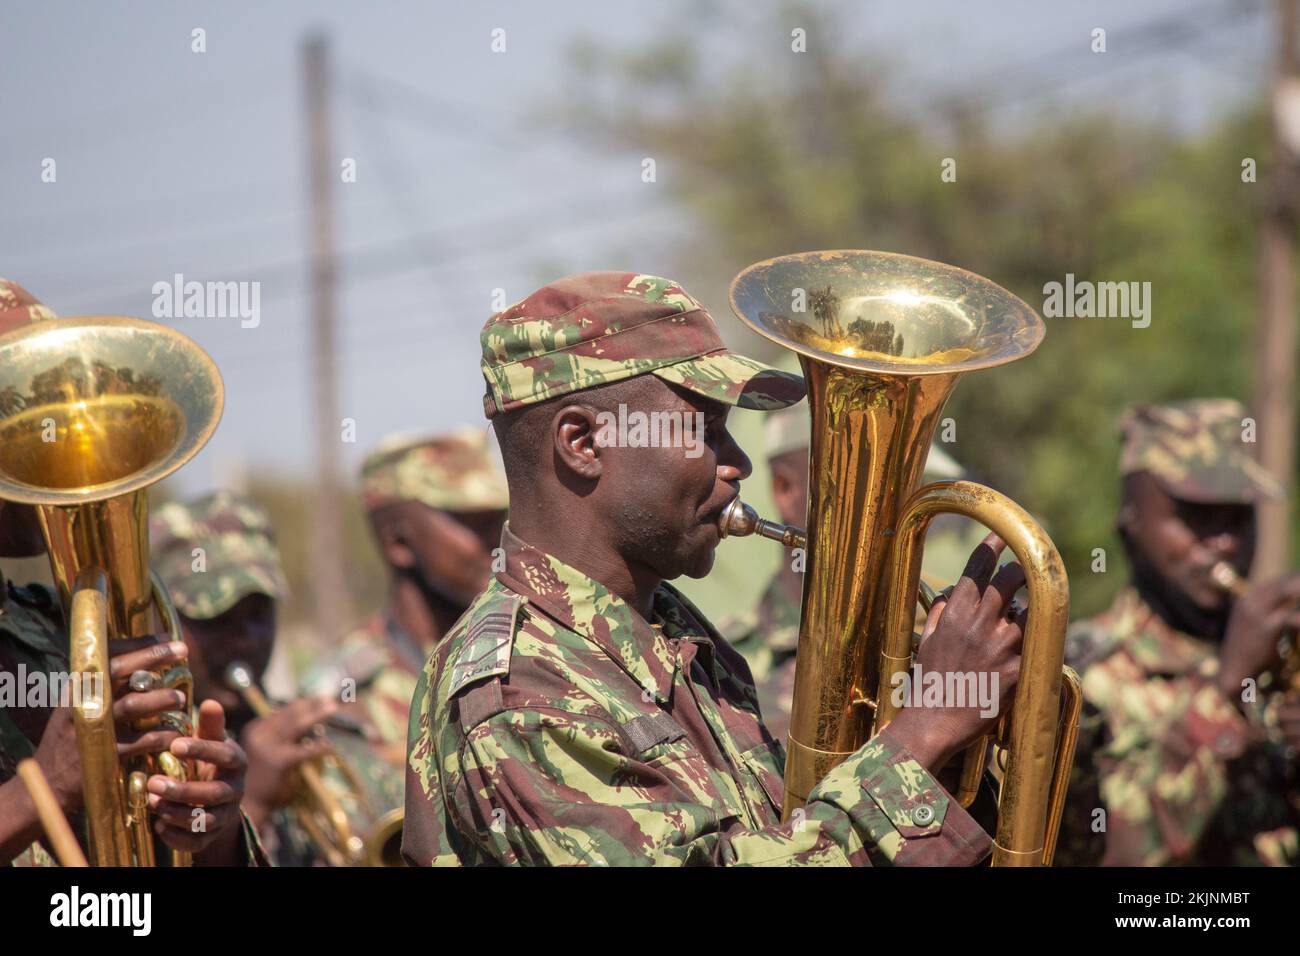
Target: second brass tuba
{"type": "Point", "coordinates": [882, 339]}
{"type": "Point", "coordinates": [94, 410]}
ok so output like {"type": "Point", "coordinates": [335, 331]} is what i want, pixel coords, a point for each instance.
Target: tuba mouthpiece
{"type": "Point", "coordinates": [739, 520]}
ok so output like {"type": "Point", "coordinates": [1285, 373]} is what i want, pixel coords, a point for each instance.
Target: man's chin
{"type": "Point", "coordinates": [700, 563]}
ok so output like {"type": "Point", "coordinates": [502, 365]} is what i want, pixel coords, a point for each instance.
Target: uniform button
{"type": "Point", "coordinates": [923, 815]}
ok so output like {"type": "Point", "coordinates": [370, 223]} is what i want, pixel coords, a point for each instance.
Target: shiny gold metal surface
{"type": "Point", "coordinates": [384, 844]}
{"type": "Point", "coordinates": [882, 339]}
{"type": "Point", "coordinates": [1031, 736]}
{"type": "Point", "coordinates": [93, 410]}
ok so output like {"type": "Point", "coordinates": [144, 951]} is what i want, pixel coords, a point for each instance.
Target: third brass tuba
{"type": "Point", "coordinates": [883, 339]}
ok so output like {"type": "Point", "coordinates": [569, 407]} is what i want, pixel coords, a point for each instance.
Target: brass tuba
{"type": "Point", "coordinates": [94, 410]}
{"type": "Point", "coordinates": [882, 339]}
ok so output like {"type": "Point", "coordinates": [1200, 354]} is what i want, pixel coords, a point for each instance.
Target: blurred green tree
{"type": "Point", "coordinates": [784, 152]}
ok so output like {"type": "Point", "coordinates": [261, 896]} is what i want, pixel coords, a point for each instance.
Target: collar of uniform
{"type": "Point", "coordinates": [581, 603]}
{"type": "Point", "coordinates": [1155, 646]}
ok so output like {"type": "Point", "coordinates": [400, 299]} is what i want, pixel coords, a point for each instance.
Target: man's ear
{"type": "Point", "coordinates": [390, 532]}
{"type": "Point", "coordinates": [580, 437]}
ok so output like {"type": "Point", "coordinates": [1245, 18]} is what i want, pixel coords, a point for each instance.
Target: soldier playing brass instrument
{"type": "Point", "coordinates": [1187, 745]}
{"type": "Point", "coordinates": [34, 640]}
{"type": "Point", "coordinates": [583, 711]}
{"type": "Point", "coordinates": [221, 564]}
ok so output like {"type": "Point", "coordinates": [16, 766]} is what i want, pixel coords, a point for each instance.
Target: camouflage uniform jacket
{"type": "Point", "coordinates": [375, 669]}
{"type": "Point", "coordinates": [554, 725]}
{"type": "Point", "coordinates": [382, 665]}
{"type": "Point", "coordinates": [1184, 776]}
{"type": "Point", "coordinates": [32, 635]}
{"type": "Point", "coordinates": [768, 637]}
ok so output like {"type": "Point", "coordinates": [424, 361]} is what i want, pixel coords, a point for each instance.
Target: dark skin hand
{"type": "Point", "coordinates": [57, 752]}
{"type": "Point", "coordinates": [650, 514]}
{"type": "Point", "coordinates": [276, 748]}
{"type": "Point", "coordinates": [60, 760]}
{"type": "Point", "coordinates": [202, 815]}
{"type": "Point", "coordinates": [973, 630]}
{"type": "Point", "coordinates": [1173, 544]}
{"type": "Point", "coordinates": [1256, 623]}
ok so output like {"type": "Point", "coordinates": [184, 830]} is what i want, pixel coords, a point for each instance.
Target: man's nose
{"type": "Point", "coordinates": [734, 464]}
{"type": "Point", "coordinates": [1224, 544]}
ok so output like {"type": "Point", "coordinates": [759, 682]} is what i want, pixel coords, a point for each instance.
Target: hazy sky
{"type": "Point", "coordinates": [170, 161]}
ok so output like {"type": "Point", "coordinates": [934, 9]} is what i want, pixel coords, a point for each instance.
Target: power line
{"type": "Point", "coordinates": [393, 254]}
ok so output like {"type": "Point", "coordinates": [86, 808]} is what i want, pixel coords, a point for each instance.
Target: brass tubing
{"type": "Point", "coordinates": [92, 716]}
{"type": "Point", "coordinates": [110, 534]}
{"type": "Point", "coordinates": [870, 437]}
{"type": "Point", "coordinates": [1023, 808]}
{"type": "Point", "coordinates": [1068, 737]}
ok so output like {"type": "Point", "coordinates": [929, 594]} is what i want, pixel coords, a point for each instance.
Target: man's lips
{"type": "Point", "coordinates": [714, 515]}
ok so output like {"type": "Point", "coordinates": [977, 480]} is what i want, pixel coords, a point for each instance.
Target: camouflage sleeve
{"type": "Point", "coordinates": [1162, 783]}
{"type": "Point", "coordinates": [553, 788]}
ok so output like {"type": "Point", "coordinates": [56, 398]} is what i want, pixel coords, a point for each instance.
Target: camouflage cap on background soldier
{"type": "Point", "coordinates": [600, 327]}
{"type": "Point", "coordinates": [18, 307]}
{"type": "Point", "coordinates": [454, 472]}
{"type": "Point", "coordinates": [1195, 449]}
{"type": "Point", "coordinates": [239, 554]}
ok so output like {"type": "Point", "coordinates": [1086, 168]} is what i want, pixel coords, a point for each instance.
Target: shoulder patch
{"type": "Point", "coordinates": [489, 637]}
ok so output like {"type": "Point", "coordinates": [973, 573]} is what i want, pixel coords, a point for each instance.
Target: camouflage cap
{"type": "Point", "coordinates": [18, 307]}
{"type": "Point", "coordinates": [238, 556]}
{"type": "Point", "coordinates": [600, 327]}
{"type": "Point", "coordinates": [1195, 449]}
{"type": "Point", "coordinates": [454, 472]}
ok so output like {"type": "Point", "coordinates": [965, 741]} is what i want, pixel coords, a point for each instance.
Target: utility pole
{"type": "Point", "coordinates": [1275, 338]}
{"type": "Point", "coordinates": [331, 598]}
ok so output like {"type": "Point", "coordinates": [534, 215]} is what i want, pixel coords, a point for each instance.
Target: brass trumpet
{"type": "Point", "coordinates": [318, 810]}
{"type": "Point", "coordinates": [1227, 580]}
{"type": "Point", "coordinates": [94, 410]}
{"type": "Point", "coordinates": [882, 339]}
